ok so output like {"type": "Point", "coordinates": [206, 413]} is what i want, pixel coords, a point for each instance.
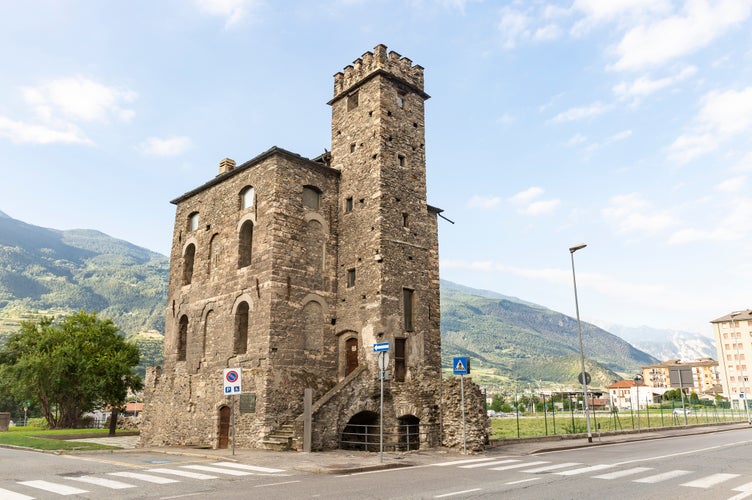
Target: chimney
{"type": "Point", "coordinates": [226, 165]}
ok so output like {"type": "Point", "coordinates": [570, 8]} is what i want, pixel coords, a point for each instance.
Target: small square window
{"type": "Point", "coordinates": [349, 204]}
{"type": "Point", "coordinates": [350, 278]}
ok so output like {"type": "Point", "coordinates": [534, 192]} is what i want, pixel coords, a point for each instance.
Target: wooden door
{"type": "Point", "coordinates": [224, 427]}
{"type": "Point", "coordinates": [351, 355]}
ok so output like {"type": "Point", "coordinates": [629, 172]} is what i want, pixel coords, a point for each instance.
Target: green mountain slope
{"type": "Point", "coordinates": [46, 271]}
{"type": "Point", "coordinates": [516, 340]}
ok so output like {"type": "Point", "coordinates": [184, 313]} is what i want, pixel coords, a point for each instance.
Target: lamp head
{"type": "Point", "coordinates": [577, 247]}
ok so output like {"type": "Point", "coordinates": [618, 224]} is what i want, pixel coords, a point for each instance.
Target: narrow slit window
{"type": "Point", "coordinates": [400, 365]}
{"type": "Point", "coordinates": [408, 297]}
{"type": "Point", "coordinates": [350, 278]}
{"type": "Point", "coordinates": [401, 160]}
{"type": "Point", "coordinates": [405, 220]}
{"type": "Point", "coordinates": [349, 204]}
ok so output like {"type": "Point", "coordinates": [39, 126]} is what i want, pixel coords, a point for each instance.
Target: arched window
{"type": "Point", "coordinates": [315, 242]}
{"type": "Point", "coordinates": [188, 257]}
{"type": "Point", "coordinates": [182, 337]}
{"type": "Point", "coordinates": [313, 317]}
{"type": "Point", "coordinates": [213, 257]}
{"type": "Point", "coordinates": [311, 197]}
{"type": "Point", "coordinates": [241, 329]}
{"type": "Point", "coordinates": [247, 197]}
{"type": "Point", "coordinates": [193, 221]}
{"type": "Point", "coordinates": [245, 244]}
{"type": "Point", "coordinates": [209, 328]}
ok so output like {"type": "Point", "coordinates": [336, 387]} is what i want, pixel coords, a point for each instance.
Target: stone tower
{"type": "Point", "coordinates": [291, 269]}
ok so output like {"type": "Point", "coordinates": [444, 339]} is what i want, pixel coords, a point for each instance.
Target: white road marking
{"type": "Point", "coordinates": [255, 468]}
{"type": "Point", "coordinates": [623, 473]}
{"type": "Point", "coordinates": [457, 493]}
{"type": "Point", "coordinates": [10, 495]}
{"type": "Point", "coordinates": [487, 464]}
{"type": "Point", "coordinates": [662, 477]}
{"type": "Point", "coordinates": [217, 470]}
{"type": "Point", "coordinates": [145, 477]}
{"type": "Point", "coordinates": [100, 481]}
{"type": "Point", "coordinates": [547, 468]}
{"type": "Point", "coordinates": [584, 470]}
{"type": "Point", "coordinates": [60, 489]}
{"type": "Point", "coordinates": [711, 480]}
{"type": "Point", "coordinates": [744, 487]}
{"type": "Point", "coordinates": [466, 461]}
{"type": "Point", "coordinates": [518, 466]}
{"type": "Point", "coordinates": [183, 473]}
{"type": "Point", "coordinates": [523, 481]}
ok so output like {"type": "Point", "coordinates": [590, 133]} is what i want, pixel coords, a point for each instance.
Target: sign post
{"type": "Point", "coordinates": [638, 380]}
{"type": "Point", "coordinates": [383, 349]}
{"type": "Point", "coordinates": [461, 367]}
{"type": "Point", "coordinates": [232, 382]}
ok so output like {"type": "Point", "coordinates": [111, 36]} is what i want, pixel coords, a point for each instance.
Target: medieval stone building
{"type": "Point", "coordinates": [292, 268]}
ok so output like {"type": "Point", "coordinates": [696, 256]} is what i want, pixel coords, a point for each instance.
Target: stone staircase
{"type": "Point", "coordinates": [280, 439]}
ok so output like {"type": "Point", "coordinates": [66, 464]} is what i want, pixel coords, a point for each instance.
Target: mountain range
{"type": "Point", "coordinates": [50, 272]}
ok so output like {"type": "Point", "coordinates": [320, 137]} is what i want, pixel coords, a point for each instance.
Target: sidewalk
{"type": "Point", "coordinates": [348, 462]}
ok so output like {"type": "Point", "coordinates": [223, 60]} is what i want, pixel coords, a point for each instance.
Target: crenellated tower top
{"type": "Point", "coordinates": [376, 62]}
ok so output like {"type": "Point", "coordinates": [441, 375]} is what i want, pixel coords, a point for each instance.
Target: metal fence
{"type": "Point", "coordinates": [408, 437]}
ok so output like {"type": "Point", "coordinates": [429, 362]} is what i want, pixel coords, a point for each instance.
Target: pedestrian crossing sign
{"type": "Point", "coordinates": [461, 365]}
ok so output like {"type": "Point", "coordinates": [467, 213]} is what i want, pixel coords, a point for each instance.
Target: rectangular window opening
{"type": "Point", "coordinates": [349, 204]}
{"type": "Point", "coordinates": [350, 278]}
{"type": "Point", "coordinates": [407, 308]}
{"type": "Point", "coordinates": [405, 220]}
{"type": "Point", "coordinates": [400, 366]}
{"type": "Point", "coordinates": [401, 160]}
{"type": "Point", "coordinates": [352, 101]}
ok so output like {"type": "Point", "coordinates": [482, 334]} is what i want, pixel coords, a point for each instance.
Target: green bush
{"type": "Point", "coordinates": [37, 423]}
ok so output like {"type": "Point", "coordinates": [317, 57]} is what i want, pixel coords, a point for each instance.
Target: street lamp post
{"type": "Point", "coordinates": [741, 369]}
{"type": "Point", "coordinates": [583, 374]}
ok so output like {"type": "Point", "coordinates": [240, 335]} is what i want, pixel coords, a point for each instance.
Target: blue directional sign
{"type": "Point", "coordinates": [461, 365]}
{"type": "Point", "coordinates": [381, 347]}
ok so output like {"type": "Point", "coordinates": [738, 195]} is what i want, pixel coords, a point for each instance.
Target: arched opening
{"type": "Point", "coordinates": [188, 257]}
{"type": "Point", "coordinates": [409, 433]}
{"type": "Point", "coordinates": [224, 427]}
{"type": "Point", "coordinates": [361, 432]}
{"type": "Point", "coordinates": [245, 244]}
{"type": "Point", "coordinates": [313, 317]}
{"type": "Point", "coordinates": [182, 337]}
{"type": "Point", "coordinates": [241, 328]}
{"type": "Point", "coordinates": [247, 197]}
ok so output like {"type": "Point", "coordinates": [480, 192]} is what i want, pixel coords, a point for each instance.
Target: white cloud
{"type": "Point", "coordinates": [688, 147]}
{"type": "Point", "coordinates": [619, 136]}
{"type": "Point", "coordinates": [21, 132]}
{"type": "Point", "coordinates": [233, 11]}
{"type": "Point", "coordinates": [575, 114]}
{"type": "Point", "coordinates": [527, 195]}
{"type": "Point", "coordinates": [722, 116]}
{"type": "Point", "coordinates": [170, 146]}
{"type": "Point", "coordinates": [632, 214]}
{"type": "Point", "coordinates": [484, 202]}
{"type": "Point", "coordinates": [644, 86]}
{"type": "Point", "coordinates": [528, 204]}
{"type": "Point", "coordinates": [734, 226]}
{"type": "Point", "coordinates": [79, 99]}
{"type": "Point", "coordinates": [514, 27]}
{"type": "Point", "coordinates": [576, 140]}
{"type": "Point", "coordinates": [541, 207]}
{"type": "Point", "coordinates": [653, 44]}
{"type": "Point", "coordinates": [732, 185]}
{"type": "Point", "coordinates": [597, 12]}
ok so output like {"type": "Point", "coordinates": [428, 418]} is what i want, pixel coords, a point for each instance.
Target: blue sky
{"type": "Point", "coordinates": [626, 125]}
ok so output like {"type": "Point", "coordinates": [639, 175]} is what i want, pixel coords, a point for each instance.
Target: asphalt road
{"type": "Point", "coordinates": [717, 465]}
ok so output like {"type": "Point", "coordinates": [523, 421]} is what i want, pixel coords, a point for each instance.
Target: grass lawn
{"type": "Point", "coordinates": [43, 439]}
{"type": "Point", "coordinates": [510, 427]}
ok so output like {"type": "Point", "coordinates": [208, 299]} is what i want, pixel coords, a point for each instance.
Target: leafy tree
{"type": "Point", "coordinates": [69, 366]}
{"type": "Point", "coordinates": [497, 402]}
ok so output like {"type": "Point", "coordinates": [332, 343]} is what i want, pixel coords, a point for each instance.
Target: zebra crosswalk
{"type": "Point", "coordinates": [122, 480]}
{"type": "Point", "coordinates": [609, 472]}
